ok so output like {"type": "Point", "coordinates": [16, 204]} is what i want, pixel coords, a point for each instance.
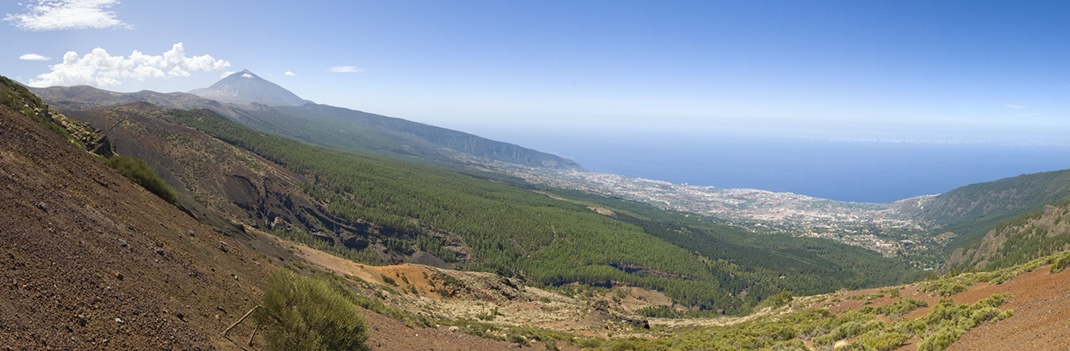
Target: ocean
{"type": "Point", "coordinates": [858, 171]}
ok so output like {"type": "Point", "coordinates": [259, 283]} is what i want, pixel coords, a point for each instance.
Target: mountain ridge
{"type": "Point", "coordinates": [325, 125]}
{"type": "Point", "coordinates": [245, 88]}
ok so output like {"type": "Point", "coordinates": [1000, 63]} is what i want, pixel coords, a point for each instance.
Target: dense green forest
{"type": "Point", "coordinates": [516, 231]}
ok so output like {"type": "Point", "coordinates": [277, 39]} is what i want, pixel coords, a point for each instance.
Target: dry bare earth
{"type": "Point", "coordinates": [89, 260]}
{"type": "Point", "coordinates": [1041, 321]}
{"type": "Point", "coordinates": [1040, 300]}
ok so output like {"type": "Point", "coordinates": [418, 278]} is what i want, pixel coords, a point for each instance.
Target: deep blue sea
{"type": "Point", "coordinates": [861, 171]}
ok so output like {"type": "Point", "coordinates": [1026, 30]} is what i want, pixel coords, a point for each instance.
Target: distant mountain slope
{"type": "Point", "coordinates": [325, 125]}
{"type": "Point", "coordinates": [92, 261]}
{"type": "Point", "coordinates": [1019, 240]}
{"type": "Point", "coordinates": [246, 88]}
{"type": "Point", "coordinates": [356, 130]}
{"type": "Point", "coordinates": [973, 210]}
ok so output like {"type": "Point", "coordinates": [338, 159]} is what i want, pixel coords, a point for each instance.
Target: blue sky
{"type": "Point", "coordinates": [916, 71]}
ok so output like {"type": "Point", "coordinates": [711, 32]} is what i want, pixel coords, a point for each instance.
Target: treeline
{"type": "Point", "coordinates": [518, 232]}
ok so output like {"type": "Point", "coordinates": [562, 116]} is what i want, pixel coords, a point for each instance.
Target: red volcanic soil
{"type": "Point", "coordinates": [1041, 321]}
{"type": "Point", "coordinates": [92, 261]}
{"type": "Point", "coordinates": [1040, 300]}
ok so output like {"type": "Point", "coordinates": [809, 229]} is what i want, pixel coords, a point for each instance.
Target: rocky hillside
{"type": "Point", "coordinates": [91, 260]}
{"type": "Point", "coordinates": [1013, 242]}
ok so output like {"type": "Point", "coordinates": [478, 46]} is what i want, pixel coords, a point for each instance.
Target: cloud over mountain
{"type": "Point", "coordinates": [99, 68]}
{"type": "Point", "coordinates": [43, 15]}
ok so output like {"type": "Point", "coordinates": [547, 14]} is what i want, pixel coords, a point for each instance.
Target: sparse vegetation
{"type": "Point", "coordinates": [141, 173]}
{"type": "Point", "coordinates": [900, 307]}
{"type": "Point", "coordinates": [388, 280]}
{"type": "Point", "coordinates": [944, 324]}
{"type": "Point", "coordinates": [302, 313]}
{"type": "Point", "coordinates": [1061, 262]}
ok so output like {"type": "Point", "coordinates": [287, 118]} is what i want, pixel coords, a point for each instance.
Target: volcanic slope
{"type": "Point", "coordinates": [246, 88]}
{"type": "Point", "coordinates": [267, 107]}
{"type": "Point", "coordinates": [228, 186]}
{"type": "Point", "coordinates": [93, 261]}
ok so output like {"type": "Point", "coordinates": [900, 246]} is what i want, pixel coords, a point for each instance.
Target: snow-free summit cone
{"type": "Point", "coordinates": [246, 88]}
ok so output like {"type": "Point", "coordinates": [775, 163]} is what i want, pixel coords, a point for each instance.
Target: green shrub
{"type": "Point", "coordinates": [141, 173]}
{"type": "Point", "coordinates": [300, 313]}
{"type": "Point", "coordinates": [781, 298]}
{"type": "Point", "coordinates": [1061, 263]}
{"type": "Point", "coordinates": [881, 341]}
{"type": "Point", "coordinates": [388, 280]}
{"type": "Point", "coordinates": [901, 307]}
{"type": "Point", "coordinates": [941, 339]}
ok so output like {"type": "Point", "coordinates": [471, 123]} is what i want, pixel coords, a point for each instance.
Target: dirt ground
{"type": "Point", "coordinates": [1040, 300]}
{"type": "Point", "coordinates": [1041, 321]}
{"type": "Point", "coordinates": [92, 261]}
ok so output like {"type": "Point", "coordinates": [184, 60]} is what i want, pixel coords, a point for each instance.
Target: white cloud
{"type": "Point", "coordinates": [345, 69]}
{"type": "Point", "coordinates": [33, 57]}
{"type": "Point", "coordinates": [102, 69]}
{"type": "Point", "coordinates": [246, 75]}
{"type": "Point", "coordinates": [289, 74]}
{"type": "Point", "coordinates": [1013, 106]}
{"type": "Point", "coordinates": [42, 15]}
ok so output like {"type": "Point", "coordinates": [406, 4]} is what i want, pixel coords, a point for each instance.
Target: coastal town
{"type": "Point", "coordinates": [888, 228]}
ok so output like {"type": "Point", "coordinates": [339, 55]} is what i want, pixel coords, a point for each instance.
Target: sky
{"type": "Point", "coordinates": [890, 71]}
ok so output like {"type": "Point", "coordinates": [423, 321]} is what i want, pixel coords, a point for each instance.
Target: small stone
{"type": "Point", "coordinates": [159, 252]}
{"type": "Point", "coordinates": [191, 233]}
{"type": "Point", "coordinates": [118, 320]}
{"type": "Point", "coordinates": [223, 247]}
{"type": "Point", "coordinates": [180, 315]}
{"type": "Point", "coordinates": [119, 276]}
